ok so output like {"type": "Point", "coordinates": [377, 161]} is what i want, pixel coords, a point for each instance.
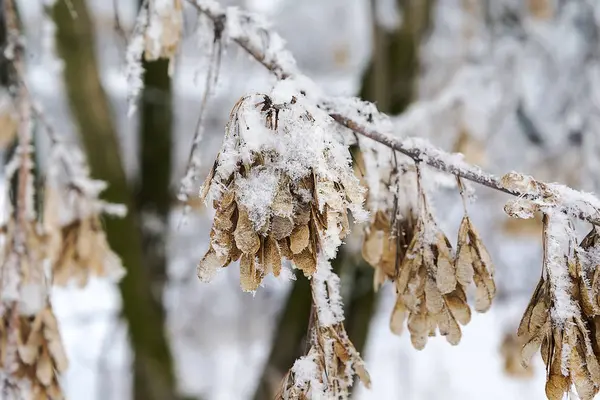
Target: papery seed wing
{"type": "Point", "coordinates": [299, 239]}
{"type": "Point", "coordinates": [246, 239]}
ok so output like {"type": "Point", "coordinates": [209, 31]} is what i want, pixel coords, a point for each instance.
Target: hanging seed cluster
{"type": "Point", "coordinates": [31, 349]}
{"type": "Point", "coordinates": [271, 205]}
{"type": "Point", "coordinates": [327, 370]}
{"type": "Point", "coordinates": [75, 241]}
{"type": "Point", "coordinates": [430, 281]}
{"type": "Point", "coordinates": [84, 252]}
{"type": "Point", "coordinates": [570, 348]}
{"type": "Point", "coordinates": [39, 356]}
{"type": "Point", "coordinates": [429, 294]}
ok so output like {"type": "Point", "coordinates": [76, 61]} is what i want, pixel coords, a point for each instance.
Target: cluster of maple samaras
{"type": "Point", "coordinates": [30, 345]}
{"type": "Point", "coordinates": [327, 370]}
{"type": "Point", "coordinates": [570, 348]}
{"type": "Point", "coordinates": [302, 217]}
{"type": "Point", "coordinates": [294, 230]}
{"type": "Point", "coordinates": [39, 355]}
{"type": "Point", "coordinates": [430, 280]}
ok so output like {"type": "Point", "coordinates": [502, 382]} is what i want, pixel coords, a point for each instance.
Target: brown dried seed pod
{"type": "Point", "coordinates": [272, 256]}
{"type": "Point", "coordinates": [299, 239]}
{"type": "Point", "coordinates": [473, 264]}
{"type": "Point", "coordinates": [251, 274]}
{"type": "Point", "coordinates": [445, 271]}
{"type": "Point", "coordinates": [246, 239]}
{"type": "Point", "coordinates": [458, 306]}
{"type": "Point", "coordinates": [40, 356]}
{"type": "Point", "coordinates": [305, 261]}
{"type": "Point", "coordinates": [281, 227]}
{"type": "Point", "coordinates": [398, 317]}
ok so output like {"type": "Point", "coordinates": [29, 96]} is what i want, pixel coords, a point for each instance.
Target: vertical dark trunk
{"type": "Point", "coordinates": [289, 339]}
{"type": "Point", "coordinates": [154, 378]}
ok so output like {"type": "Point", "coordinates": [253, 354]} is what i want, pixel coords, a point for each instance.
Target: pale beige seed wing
{"type": "Point", "coordinates": [464, 265]}
{"type": "Point", "coordinates": [299, 239]}
{"type": "Point", "coordinates": [418, 326]}
{"type": "Point", "coordinates": [302, 214]}
{"type": "Point", "coordinates": [448, 327]}
{"type": "Point", "coordinates": [409, 266]}
{"type": "Point", "coordinates": [379, 279]}
{"type": "Point", "coordinates": [306, 262]}
{"type": "Point", "coordinates": [44, 371]}
{"type": "Point", "coordinates": [459, 308]}
{"type": "Point", "coordinates": [281, 227]}
{"type": "Point", "coordinates": [283, 202]}
{"type": "Point", "coordinates": [208, 266]}
{"type": "Point", "coordinates": [524, 325]}
{"type": "Point", "coordinates": [433, 298]}
{"type": "Point", "coordinates": [363, 374]}
{"type": "Point", "coordinates": [249, 279]}
{"type": "Point", "coordinates": [372, 249]}
{"type": "Point", "coordinates": [445, 275]}
{"type": "Point", "coordinates": [284, 248]}
{"type": "Point", "coordinates": [246, 239]}
{"type": "Point", "coordinates": [485, 290]}
{"type": "Point", "coordinates": [545, 349]}
{"type": "Point", "coordinates": [464, 257]}
{"type": "Point", "coordinates": [586, 389]}
{"type": "Point", "coordinates": [398, 317]}
{"type": "Point", "coordinates": [557, 384]}
{"type": "Point", "coordinates": [272, 256]}
{"type": "Point", "coordinates": [530, 348]}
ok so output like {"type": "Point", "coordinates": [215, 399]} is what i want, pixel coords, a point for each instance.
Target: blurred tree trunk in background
{"type": "Point", "coordinates": [391, 77]}
{"type": "Point", "coordinates": [289, 339]}
{"type": "Point", "coordinates": [390, 81]}
{"type": "Point", "coordinates": [153, 372]}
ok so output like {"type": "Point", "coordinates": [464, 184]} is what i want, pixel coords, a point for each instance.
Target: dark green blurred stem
{"type": "Point", "coordinates": [289, 339]}
{"type": "Point", "coordinates": [153, 370]}
{"type": "Point", "coordinates": [153, 196]}
{"type": "Point", "coordinates": [390, 79]}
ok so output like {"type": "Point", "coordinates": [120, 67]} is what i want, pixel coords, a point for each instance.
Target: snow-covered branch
{"type": "Point", "coordinates": [255, 37]}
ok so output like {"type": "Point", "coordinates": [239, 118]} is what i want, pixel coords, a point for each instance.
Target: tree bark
{"type": "Point", "coordinates": [153, 372]}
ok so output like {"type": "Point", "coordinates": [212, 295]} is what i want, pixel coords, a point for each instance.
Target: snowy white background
{"type": "Point", "coordinates": [221, 336]}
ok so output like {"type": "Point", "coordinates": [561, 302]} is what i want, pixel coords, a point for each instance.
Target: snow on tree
{"type": "Point", "coordinates": [283, 187]}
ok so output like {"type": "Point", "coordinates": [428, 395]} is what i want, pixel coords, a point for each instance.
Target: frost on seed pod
{"type": "Point", "coordinates": [282, 187]}
{"type": "Point", "coordinates": [328, 370]}
{"type": "Point", "coordinates": [561, 321]}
